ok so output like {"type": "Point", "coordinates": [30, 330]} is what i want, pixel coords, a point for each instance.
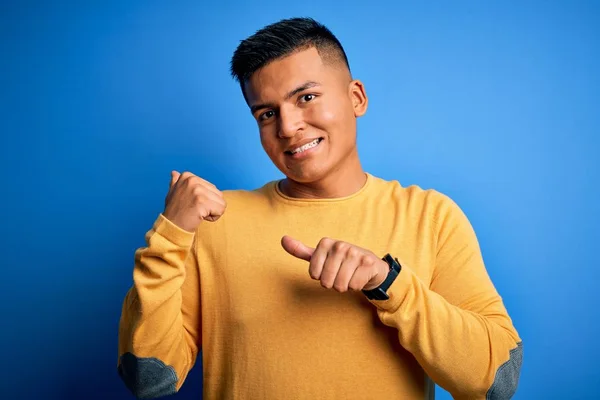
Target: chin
{"type": "Point", "coordinates": [307, 174]}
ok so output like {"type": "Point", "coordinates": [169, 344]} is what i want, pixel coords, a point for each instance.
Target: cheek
{"type": "Point", "coordinates": [331, 115]}
{"type": "Point", "coordinates": [326, 114]}
{"type": "Point", "coordinates": [269, 142]}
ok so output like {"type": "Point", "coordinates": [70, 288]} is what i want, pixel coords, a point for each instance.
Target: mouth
{"type": "Point", "coordinates": [304, 149]}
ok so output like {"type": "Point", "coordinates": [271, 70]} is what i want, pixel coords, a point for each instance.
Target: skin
{"type": "Point", "coordinates": [302, 97]}
{"type": "Point", "coordinates": [191, 199]}
{"type": "Point", "coordinates": [329, 110]}
{"type": "Point", "coordinates": [293, 99]}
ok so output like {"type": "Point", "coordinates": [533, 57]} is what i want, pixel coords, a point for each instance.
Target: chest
{"type": "Point", "coordinates": [253, 280]}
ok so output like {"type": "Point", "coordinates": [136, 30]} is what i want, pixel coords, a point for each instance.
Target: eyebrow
{"type": "Point", "coordinates": [292, 93]}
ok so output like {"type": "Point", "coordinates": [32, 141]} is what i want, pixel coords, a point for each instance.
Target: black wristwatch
{"type": "Point", "coordinates": [380, 292]}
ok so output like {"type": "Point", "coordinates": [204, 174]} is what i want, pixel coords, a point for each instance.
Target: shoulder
{"type": "Point", "coordinates": [419, 202]}
{"type": "Point", "coordinates": [415, 196]}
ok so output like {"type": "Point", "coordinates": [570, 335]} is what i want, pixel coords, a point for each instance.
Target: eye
{"type": "Point", "coordinates": [266, 115]}
{"type": "Point", "coordinates": [305, 98]}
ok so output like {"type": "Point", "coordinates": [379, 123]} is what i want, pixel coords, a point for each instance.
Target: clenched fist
{"type": "Point", "coordinates": [191, 199]}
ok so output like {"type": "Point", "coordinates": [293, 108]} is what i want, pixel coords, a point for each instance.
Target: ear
{"type": "Point", "coordinates": [358, 97]}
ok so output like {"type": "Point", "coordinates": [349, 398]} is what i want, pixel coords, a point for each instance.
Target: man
{"type": "Point", "coordinates": [287, 289]}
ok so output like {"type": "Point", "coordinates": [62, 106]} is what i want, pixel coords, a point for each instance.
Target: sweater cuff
{"type": "Point", "coordinates": [172, 232]}
{"type": "Point", "coordinates": [397, 291]}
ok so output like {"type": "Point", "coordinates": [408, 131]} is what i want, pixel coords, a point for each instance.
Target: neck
{"type": "Point", "coordinates": [342, 182]}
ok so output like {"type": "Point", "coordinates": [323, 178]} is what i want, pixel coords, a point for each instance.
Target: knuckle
{"type": "Point", "coordinates": [185, 181]}
{"type": "Point", "coordinates": [326, 284]}
{"type": "Point", "coordinates": [206, 183]}
{"type": "Point", "coordinates": [326, 281]}
{"type": "Point", "coordinates": [340, 246]}
{"type": "Point", "coordinates": [194, 181]}
{"type": "Point", "coordinates": [202, 211]}
{"type": "Point", "coordinates": [368, 261]}
{"type": "Point", "coordinates": [325, 241]}
{"type": "Point", "coordinates": [353, 252]}
{"type": "Point", "coordinates": [200, 198]}
{"type": "Point", "coordinates": [340, 287]}
{"type": "Point", "coordinates": [185, 175]}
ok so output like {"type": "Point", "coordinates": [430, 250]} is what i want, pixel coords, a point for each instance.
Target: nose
{"type": "Point", "coordinates": [290, 121]}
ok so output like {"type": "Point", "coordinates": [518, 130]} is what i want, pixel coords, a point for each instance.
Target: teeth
{"type": "Point", "coordinates": [306, 146]}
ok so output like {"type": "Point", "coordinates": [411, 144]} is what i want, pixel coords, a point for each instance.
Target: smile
{"type": "Point", "coordinates": [304, 148]}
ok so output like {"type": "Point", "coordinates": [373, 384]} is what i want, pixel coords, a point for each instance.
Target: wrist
{"type": "Point", "coordinates": [383, 269]}
{"type": "Point", "coordinates": [179, 224]}
{"type": "Point", "coordinates": [172, 232]}
{"type": "Point", "coordinates": [380, 292]}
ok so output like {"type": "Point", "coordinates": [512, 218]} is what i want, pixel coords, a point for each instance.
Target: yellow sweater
{"type": "Point", "coordinates": [266, 330]}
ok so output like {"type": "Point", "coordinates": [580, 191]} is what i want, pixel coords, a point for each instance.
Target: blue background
{"type": "Point", "coordinates": [497, 105]}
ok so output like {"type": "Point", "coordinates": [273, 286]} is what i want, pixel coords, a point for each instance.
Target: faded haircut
{"type": "Point", "coordinates": [281, 39]}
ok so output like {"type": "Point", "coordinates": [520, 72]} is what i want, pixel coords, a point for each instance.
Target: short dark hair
{"type": "Point", "coordinates": [280, 39]}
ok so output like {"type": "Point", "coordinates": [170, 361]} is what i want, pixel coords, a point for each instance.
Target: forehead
{"type": "Point", "coordinates": [277, 78]}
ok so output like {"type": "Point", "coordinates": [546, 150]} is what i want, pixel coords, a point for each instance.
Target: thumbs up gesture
{"type": "Point", "coordinates": [191, 200]}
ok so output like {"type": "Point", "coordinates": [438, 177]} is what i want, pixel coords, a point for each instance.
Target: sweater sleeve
{"type": "Point", "coordinates": [457, 328]}
{"type": "Point", "coordinates": [159, 329]}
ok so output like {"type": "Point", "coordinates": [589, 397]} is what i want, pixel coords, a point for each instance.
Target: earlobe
{"type": "Point", "coordinates": [360, 101]}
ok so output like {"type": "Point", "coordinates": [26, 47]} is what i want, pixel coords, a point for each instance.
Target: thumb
{"type": "Point", "coordinates": [297, 248]}
{"type": "Point", "coordinates": [174, 178]}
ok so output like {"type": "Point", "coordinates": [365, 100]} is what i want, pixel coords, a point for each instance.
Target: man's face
{"type": "Point", "coordinates": [300, 100]}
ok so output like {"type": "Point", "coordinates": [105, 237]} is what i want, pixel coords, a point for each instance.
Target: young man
{"type": "Point", "coordinates": [328, 284]}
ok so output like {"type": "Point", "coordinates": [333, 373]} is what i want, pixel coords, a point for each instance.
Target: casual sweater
{"type": "Point", "coordinates": [230, 293]}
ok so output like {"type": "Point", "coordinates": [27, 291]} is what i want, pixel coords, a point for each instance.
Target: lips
{"type": "Point", "coordinates": [300, 144]}
{"type": "Point", "coordinates": [309, 152]}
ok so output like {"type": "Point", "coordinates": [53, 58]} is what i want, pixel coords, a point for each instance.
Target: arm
{"type": "Point", "coordinates": [458, 328]}
{"type": "Point", "coordinates": [159, 329]}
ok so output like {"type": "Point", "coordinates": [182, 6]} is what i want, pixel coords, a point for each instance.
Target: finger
{"type": "Point", "coordinates": [207, 183]}
{"type": "Point", "coordinates": [174, 177]}
{"type": "Point", "coordinates": [361, 276]}
{"type": "Point", "coordinates": [345, 273]}
{"type": "Point", "coordinates": [214, 208]}
{"type": "Point", "coordinates": [318, 258]}
{"type": "Point", "coordinates": [205, 194]}
{"type": "Point", "coordinates": [210, 187]}
{"type": "Point", "coordinates": [210, 214]}
{"type": "Point", "coordinates": [210, 204]}
{"type": "Point", "coordinates": [185, 176]}
{"type": "Point", "coordinates": [212, 218]}
{"type": "Point", "coordinates": [331, 267]}
{"type": "Point", "coordinates": [194, 180]}
{"type": "Point", "coordinates": [297, 248]}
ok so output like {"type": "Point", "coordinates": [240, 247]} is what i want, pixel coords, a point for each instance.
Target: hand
{"type": "Point", "coordinates": [340, 265]}
{"type": "Point", "coordinates": [191, 199]}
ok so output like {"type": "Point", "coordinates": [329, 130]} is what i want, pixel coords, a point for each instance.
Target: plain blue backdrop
{"type": "Point", "coordinates": [495, 104]}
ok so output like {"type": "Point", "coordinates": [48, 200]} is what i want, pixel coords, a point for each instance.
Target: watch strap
{"type": "Point", "coordinates": [380, 292]}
